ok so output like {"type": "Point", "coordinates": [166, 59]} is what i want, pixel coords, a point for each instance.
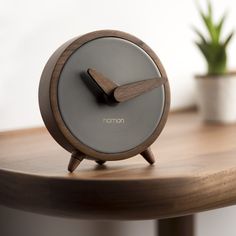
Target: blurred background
{"type": "Point", "coordinates": [32, 30]}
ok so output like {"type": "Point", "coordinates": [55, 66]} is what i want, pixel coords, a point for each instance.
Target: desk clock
{"type": "Point", "coordinates": [104, 96]}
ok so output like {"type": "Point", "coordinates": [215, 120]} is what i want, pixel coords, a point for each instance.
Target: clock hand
{"type": "Point", "coordinates": [132, 90]}
{"type": "Point", "coordinates": [124, 92]}
{"type": "Point", "coordinates": [105, 84]}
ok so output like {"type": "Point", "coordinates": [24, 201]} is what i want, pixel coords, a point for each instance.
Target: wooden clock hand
{"type": "Point", "coordinates": [124, 92]}
{"type": "Point", "coordinates": [128, 91]}
{"type": "Point", "coordinates": [105, 84]}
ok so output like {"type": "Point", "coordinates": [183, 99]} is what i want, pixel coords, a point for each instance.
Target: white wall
{"type": "Point", "coordinates": [31, 30]}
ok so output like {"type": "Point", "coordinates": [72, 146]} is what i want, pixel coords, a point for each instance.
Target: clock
{"type": "Point", "coordinates": [104, 96]}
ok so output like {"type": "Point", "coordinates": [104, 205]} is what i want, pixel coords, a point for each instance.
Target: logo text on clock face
{"type": "Point", "coordinates": [113, 120]}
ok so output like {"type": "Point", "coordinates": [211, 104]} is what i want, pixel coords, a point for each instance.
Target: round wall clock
{"type": "Point", "coordinates": [104, 96]}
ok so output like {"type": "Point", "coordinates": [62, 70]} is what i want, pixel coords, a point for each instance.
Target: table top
{"type": "Point", "coordinates": [195, 170]}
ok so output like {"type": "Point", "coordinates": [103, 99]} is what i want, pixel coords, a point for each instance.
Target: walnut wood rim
{"type": "Point", "coordinates": [51, 113]}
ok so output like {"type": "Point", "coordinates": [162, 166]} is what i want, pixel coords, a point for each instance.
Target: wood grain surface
{"type": "Point", "coordinates": [195, 170]}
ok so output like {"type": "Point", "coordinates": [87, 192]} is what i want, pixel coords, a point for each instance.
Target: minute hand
{"type": "Point", "coordinates": [132, 90]}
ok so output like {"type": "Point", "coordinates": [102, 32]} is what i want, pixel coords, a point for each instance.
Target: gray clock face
{"type": "Point", "coordinates": [109, 127]}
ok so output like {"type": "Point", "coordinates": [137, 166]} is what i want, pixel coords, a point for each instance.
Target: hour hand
{"type": "Point", "coordinates": [105, 84]}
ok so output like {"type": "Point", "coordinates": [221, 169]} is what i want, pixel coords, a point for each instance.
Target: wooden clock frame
{"type": "Point", "coordinates": [51, 115]}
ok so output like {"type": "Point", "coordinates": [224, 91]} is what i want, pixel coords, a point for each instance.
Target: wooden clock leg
{"type": "Point", "coordinates": [76, 158]}
{"type": "Point", "coordinates": [148, 156]}
{"type": "Point", "coordinates": [100, 162]}
{"type": "Point", "coordinates": [179, 226]}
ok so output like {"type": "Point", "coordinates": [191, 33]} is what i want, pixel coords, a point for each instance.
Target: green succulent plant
{"type": "Point", "coordinates": [212, 46]}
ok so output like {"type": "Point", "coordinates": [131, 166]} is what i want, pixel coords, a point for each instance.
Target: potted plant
{"type": "Point", "coordinates": [217, 88]}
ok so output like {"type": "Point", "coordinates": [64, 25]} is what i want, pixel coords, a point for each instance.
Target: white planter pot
{"type": "Point", "coordinates": [216, 98]}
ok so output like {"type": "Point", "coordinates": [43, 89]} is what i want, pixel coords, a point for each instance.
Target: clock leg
{"type": "Point", "coordinates": [148, 156]}
{"type": "Point", "coordinates": [76, 158]}
{"type": "Point", "coordinates": [100, 162]}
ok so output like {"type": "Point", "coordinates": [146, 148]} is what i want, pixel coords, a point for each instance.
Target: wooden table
{"type": "Point", "coordinates": [195, 171]}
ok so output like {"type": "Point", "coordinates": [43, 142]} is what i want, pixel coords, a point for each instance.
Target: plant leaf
{"type": "Point", "coordinates": [204, 49]}
{"type": "Point", "coordinates": [200, 35]}
{"type": "Point", "coordinates": [219, 27]}
{"type": "Point", "coordinates": [207, 19]}
{"type": "Point", "coordinates": [209, 9]}
{"type": "Point", "coordinates": [228, 39]}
